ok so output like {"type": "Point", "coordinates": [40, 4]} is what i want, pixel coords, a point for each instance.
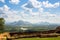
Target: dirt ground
{"type": "Point", "coordinates": [3, 36]}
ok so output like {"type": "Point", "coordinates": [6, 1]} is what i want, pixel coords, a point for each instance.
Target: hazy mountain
{"type": "Point", "coordinates": [40, 24]}
{"type": "Point", "coordinates": [20, 23]}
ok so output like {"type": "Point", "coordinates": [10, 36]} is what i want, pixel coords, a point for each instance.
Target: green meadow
{"type": "Point", "coordinates": [53, 38]}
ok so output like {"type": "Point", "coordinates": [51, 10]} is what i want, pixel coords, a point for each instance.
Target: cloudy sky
{"type": "Point", "coordinates": [33, 11]}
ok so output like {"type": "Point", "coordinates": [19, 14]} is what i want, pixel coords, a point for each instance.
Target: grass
{"type": "Point", "coordinates": [53, 38]}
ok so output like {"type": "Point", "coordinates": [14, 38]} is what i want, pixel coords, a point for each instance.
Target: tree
{"type": "Point", "coordinates": [58, 29]}
{"type": "Point", "coordinates": [2, 22]}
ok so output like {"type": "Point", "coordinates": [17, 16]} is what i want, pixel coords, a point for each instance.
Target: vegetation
{"type": "Point", "coordinates": [2, 25]}
{"type": "Point", "coordinates": [54, 38]}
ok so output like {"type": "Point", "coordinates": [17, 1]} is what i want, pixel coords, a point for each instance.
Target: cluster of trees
{"type": "Point", "coordinates": [2, 22]}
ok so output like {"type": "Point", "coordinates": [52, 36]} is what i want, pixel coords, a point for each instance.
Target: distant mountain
{"type": "Point", "coordinates": [27, 24]}
{"type": "Point", "coordinates": [41, 26]}
{"type": "Point", "coordinates": [20, 23]}
{"type": "Point", "coordinates": [46, 25]}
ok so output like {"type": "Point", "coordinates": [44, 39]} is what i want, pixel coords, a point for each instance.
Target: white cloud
{"type": "Point", "coordinates": [41, 16]}
{"type": "Point", "coordinates": [35, 3]}
{"type": "Point", "coordinates": [49, 5]}
{"type": "Point", "coordinates": [6, 8]}
{"type": "Point", "coordinates": [14, 1]}
{"type": "Point", "coordinates": [12, 16]}
{"type": "Point", "coordinates": [2, 9]}
{"type": "Point", "coordinates": [2, 1]}
{"type": "Point", "coordinates": [51, 18]}
{"type": "Point", "coordinates": [31, 16]}
{"type": "Point", "coordinates": [9, 15]}
{"type": "Point", "coordinates": [35, 17]}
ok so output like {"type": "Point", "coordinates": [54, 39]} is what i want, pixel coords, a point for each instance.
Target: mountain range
{"type": "Point", "coordinates": [35, 26]}
{"type": "Point", "coordinates": [25, 23]}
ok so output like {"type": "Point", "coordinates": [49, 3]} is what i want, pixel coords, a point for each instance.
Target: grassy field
{"type": "Point", "coordinates": [53, 38]}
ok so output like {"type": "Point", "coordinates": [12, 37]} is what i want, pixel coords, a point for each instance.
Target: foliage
{"type": "Point", "coordinates": [2, 24]}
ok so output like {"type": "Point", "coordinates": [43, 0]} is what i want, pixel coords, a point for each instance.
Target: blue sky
{"type": "Point", "coordinates": [33, 11]}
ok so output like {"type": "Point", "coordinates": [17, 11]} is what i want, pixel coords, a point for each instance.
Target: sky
{"type": "Point", "coordinates": [33, 11]}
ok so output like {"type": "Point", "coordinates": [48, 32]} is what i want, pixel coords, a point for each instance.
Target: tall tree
{"type": "Point", "coordinates": [2, 22]}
